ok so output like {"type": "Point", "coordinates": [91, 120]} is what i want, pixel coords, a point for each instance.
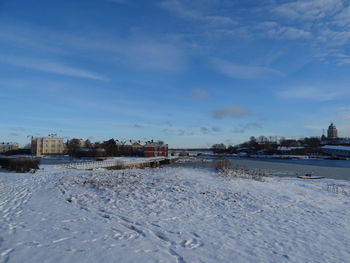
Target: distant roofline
{"type": "Point", "coordinates": [48, 137]}
{"type": "Point", "coordinates": [9, 143]}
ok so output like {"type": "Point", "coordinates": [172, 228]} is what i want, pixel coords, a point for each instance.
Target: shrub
{"type": "Point", "coordinates": [226, 169]}
{"type": "Point", "coordinates": [222, 165]}
{"type": "Point", "coordinates": [20, 165]}
{"type": "Point", "coordinates": [338, 189]}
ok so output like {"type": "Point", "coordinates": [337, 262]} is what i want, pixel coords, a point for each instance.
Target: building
{"type": "Point", "coordinates": [8, 146]}
{"type": "Point", "coordinates": [332, 132]}
{"type": "Point", "coordinates": [82, 143]}
{"type": "Point", "coordinates": [89, 152]}
{"type": "Point", "coordinates": [337, 150]}
{"type": "Point", "coordinates": [50, 145]}
{"type": "Point", "coordinates": [154, 149]}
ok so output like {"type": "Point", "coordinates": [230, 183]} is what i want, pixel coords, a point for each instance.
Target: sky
{"type": "Point", "coordinates": [189, 72]}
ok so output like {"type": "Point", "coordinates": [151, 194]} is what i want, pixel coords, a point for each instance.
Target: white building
{"type": "Point", "coordinates": [50, 145]}
{"type": "Point", "coordinates": [332, 132]}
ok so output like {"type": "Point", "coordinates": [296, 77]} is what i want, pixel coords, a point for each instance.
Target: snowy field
{"type": "Point", "coordinates": [171, 215]}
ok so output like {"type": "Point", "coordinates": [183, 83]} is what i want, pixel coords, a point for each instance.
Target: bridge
{"type": "Point", "coordinates": [120, 163]}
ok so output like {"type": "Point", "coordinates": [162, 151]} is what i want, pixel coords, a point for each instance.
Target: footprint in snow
{"type": "Point", "coordinates": [191, 243]}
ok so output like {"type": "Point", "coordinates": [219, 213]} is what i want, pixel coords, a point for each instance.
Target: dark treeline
{"type": "Point", "coordinates": [17, 152]}
{"type": "Point", "coordinates": [270, 145]}
{"type": "Point", "coordinates": [19, 165]}
{"type": "Point", "coordinates": [108, 148]}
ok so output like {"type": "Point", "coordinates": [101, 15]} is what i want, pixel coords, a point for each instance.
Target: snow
{"type": "Point", "coordinates": [114, 161]}
{"type": "Point", "coordinates": [280, 156]}
{"type": "Point", "coordinates": [170, 215]}
{"type": "Point", "coordinates": [336, 147]}
{"type": "Point", "coordinates": [283, 148]}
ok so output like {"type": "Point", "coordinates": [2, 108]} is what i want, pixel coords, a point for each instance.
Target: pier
{"type": "Point", "coordinates": [120, 163]}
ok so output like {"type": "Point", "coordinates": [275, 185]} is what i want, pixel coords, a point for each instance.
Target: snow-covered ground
{"type": "Point", "coordinates": [170, 215]}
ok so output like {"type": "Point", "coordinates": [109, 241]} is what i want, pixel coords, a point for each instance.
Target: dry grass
{"type": "Point", "coordinates": [110, 180]}
{"type": "Point", "coordinates": [222, 165]}
{"type": "Point", "coordinates": [20, 164]}
{"type": "Point", "coordinates": [225, 168]}
{"type": "Point", "coordinates": [338, 189]}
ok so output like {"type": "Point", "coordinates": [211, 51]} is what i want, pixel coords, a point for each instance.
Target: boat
{"type": "Point", "coordinates": [309, 176]}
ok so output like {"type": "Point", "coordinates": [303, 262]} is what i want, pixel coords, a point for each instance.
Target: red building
{"type": "Point", "coordinates": [154, 150]}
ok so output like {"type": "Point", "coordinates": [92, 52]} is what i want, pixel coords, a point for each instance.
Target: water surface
{"type": "Point", "coordinates": [335, 169]}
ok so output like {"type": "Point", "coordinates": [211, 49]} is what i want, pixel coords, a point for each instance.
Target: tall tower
{"type": "Point", "coordinates": [332, 132]}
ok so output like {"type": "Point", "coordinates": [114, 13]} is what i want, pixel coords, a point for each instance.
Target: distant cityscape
{"type": "Point", "coordinates": [329, 144]}
{"type": "Point", "coordinates": [55, 145]}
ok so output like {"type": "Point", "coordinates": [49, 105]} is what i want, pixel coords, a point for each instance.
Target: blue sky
{"type": "Point", "coordinates": [191, 73]}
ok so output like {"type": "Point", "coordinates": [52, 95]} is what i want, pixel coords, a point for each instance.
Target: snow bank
{"type": "Point", "coordinates": [170, 215]}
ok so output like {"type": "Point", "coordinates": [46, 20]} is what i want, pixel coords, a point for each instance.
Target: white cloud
{"type": "Point", "coordinates": [244, 71]}
{"type": "Point", "coordinates": [309, 9]}
{"type": "Point", "coordinates": [52, 67]}
{"type": "Point", "coordinates": [233, 111]}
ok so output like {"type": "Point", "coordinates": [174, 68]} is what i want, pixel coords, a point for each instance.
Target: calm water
{"type": "Point", "coordinates": [336, 169]}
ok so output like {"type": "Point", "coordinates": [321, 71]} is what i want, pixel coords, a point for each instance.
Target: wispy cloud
{"type": "Point", "coordinates": [233, 111]}
{"type": "Point", "coordinates": [186, 11]}
{"type": "Point", "coordinates": [252, 125]}
{"type": "Point", "coordinates": [17, 129]}
{"type": "Point", "coordinates": [184, 132]}
{"type": "Point", "coordinates": [138, 125]}
{"type": "Point", "coordinates": [216, 129]}
{"type": "Point", "coordinates": [180, 9]}
{"type": "Point", "coordinates": [153, 54]}
{"type": "Point", "coordinates": [205, 130]}
{"type": "Point", "coordinates": [310, 93]}
{"type": "Point", "coordinates": [334, 38]}
{"type": "Point", "coordinates": [162, 53]}
{"type": "Point", "coordinates": [247, 126]}
{"type": "Point", "coordinates": [208, 130]}
{"type": "Point", "coordinates": [199, 94]}
{"type": "Point", "coordinates": [240, 71]}
{"type": "Point", "coordinates": [343, 18]}
{"type": "Point", "coordinates": [309, 9]}
{"type": "Point", "coordinates": [275, 30]}
{"type": "Point", "coordinates": [267, 30]}
{"type": "Point", "coordinates": [51, 67]}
